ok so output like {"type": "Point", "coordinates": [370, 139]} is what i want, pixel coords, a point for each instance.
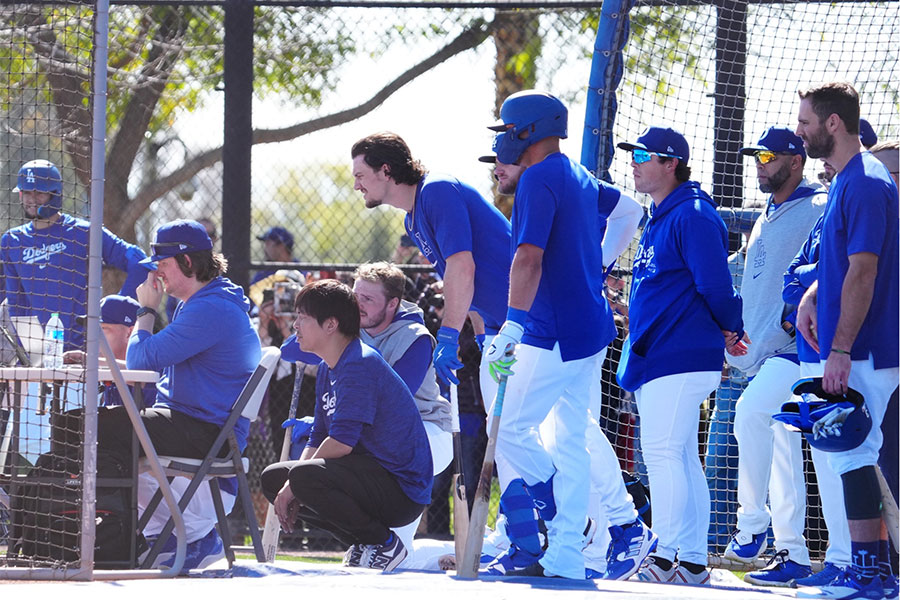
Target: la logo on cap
{"type": "Point", "coordinates": [30, 176]}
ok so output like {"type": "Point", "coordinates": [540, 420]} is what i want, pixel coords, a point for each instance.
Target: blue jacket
{"type": "Point", "coordinates": [682, 296]}
{"type": "Point", "coordinates": [206, 354]}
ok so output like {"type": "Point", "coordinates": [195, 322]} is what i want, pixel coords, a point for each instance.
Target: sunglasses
{"type": "Point", "coordinates": [640, 156]}
{"type": "Point", "coordinates": [764, 157]}
{"type": "Point", "coordinates": [156, 247]}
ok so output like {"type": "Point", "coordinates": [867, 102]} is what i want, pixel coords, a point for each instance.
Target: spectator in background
{"type": "Point", "coordinates": [45, 260]}
{"type": "Point", "coordinates": [278, 246]}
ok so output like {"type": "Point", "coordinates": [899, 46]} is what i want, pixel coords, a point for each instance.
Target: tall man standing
{"type": "Point", "coordinates": [682, 299]}
{"type": "Point", "coordinates": [558, 323]}
{"type": "Point", "coordinates": [850, 314]}
{"type": "Point", "coordinates": [770, 456]}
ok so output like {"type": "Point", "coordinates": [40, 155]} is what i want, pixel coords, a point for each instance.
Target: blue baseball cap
{"type": "Point", "coordinates": [178, 237]}
{"type": "Point", "coordinates": [661, 140]}
{"type": "Point", "coordinates": [777, 139]}
{"type": "Point", "coordinates": [866, 134]}
{"type": "Point", "coordinates": [116, 310]}
{"type": "Point", "coordinates": [278, 234]}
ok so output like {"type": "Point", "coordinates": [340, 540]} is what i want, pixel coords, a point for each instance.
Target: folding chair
{"type": "Point", "coordinates": [211, 467]}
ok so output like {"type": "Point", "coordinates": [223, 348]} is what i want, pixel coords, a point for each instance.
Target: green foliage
{"type": "Point", "coordinates": [329, 219]}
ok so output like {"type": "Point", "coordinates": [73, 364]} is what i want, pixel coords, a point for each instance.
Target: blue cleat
{"type": "Point", "coordinates": [512, 559]}
{"type": "Point", "coordinates": [828, 574]}
{"type": "Point", "coordinates": [780, 572]}
{"type": "Point", "coordinates": [847, 586]}
{"type": "Point", "coordinates": [202, 553]}
{"type": "Point", "coordinates": [628, 547]}
{"type": "Point", "coordinates": [746, 547]}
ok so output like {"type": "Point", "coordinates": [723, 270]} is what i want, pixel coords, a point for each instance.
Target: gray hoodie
{"type": "Point", "coordinates": [774, 241]}
{"type": "Point", "coordinates": [406, 327]}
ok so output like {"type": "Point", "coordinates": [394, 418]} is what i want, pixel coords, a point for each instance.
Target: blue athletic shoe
{"type": "Point", "coordinates": [847, 587]}
{"type": "Point", "coordinates": [628, 547]}
{"type": "Point", "coordinates": [891, 586]}
{"type": "Point", "coordinates": [780, 572]}
{"type": "Point", "coordinates": [746, 547]}
{"type": "Point", "coordinates": [202, 553]}
{"type": "Point", "coordinates": [828, 574]}
{"type": "Point", "coordinates": [512, 559]}
{"type": "Point", "coordinates": [166, 554]}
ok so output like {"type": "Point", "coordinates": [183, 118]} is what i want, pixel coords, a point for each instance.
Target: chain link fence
{"type": "Point", "coordinates": [327, 74]}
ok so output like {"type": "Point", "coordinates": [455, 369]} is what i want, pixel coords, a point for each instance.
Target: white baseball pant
{"type": "Point", "coordinates": [831, 493]}
{"type": "Point", "coordinates": [770, 460]}
{"type": "Point", "coordinates": [669, 408]}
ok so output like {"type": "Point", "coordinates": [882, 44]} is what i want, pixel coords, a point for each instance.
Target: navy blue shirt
{"type": "Point", "coordinates": [364, 404]}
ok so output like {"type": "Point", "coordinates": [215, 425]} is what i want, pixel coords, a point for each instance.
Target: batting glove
{"type": "Point", "coordinates": [831, 425]}
{"type": "Point", "coordinates": [501, 354]}
{"type": "Point", "coordinates": [446, 355]}
{"type": "Point", "coordinates": [479, 339]}
{"type": "Point", "coordinates": [302, 427]}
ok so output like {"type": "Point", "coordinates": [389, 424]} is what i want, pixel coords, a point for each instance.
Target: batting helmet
{"type": "Point", "coordinates": [42, 176]}
{"type": "Point", "coordinates": [829, 422]}
{"type": "Point", "coordinates": [538, 113]}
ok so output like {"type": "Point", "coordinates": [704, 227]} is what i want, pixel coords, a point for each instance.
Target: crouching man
{"type": "Point", "coordinates": [367, 466]}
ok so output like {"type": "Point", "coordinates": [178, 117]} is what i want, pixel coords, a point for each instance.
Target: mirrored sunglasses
{"type": "Point", "coordinates": [764, 157]}
{"type": "Point", "coordinates": [641, 156]}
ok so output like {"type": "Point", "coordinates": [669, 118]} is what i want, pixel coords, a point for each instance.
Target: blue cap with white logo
{"type": "Point", "coordinates": [661, 140]}
{"type": "Point", "coordinates": [178, 237]}
{"type": "Point", "coordinates": [777, 139]}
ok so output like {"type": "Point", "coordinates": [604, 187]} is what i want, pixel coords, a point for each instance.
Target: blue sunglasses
{"type": "Point", "coordinates": [641, 156]}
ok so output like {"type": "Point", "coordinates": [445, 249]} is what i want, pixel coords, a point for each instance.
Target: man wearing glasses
{"type": "Point", "coordinates": [772, 364]}
{"type": "Point", "coordinates": [682, 302]}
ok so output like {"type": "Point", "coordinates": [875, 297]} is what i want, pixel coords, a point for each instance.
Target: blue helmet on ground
{"type": "Point", "coordinates": [829, 422]}
{"type": "Point", "coordinates": [539, 114]}
{"type": "Point", "coordinates": [41, 176]}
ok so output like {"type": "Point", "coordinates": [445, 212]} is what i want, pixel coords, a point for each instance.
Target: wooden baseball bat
{"type": "Point", "coordinates": [272, 527]}
{"type": "Point", "coordinates": [889, 509]}
{"type": "Point", "coordinates": [467, 566]}
{"type": "Point", "coordinates": [460, 502]}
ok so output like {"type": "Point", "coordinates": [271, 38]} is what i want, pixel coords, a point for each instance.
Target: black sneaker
{"type": "Point", "coordinates": [387, 556]}
{"type": "Point", "coordinates": [353, 556]}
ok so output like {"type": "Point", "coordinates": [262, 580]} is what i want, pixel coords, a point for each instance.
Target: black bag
{"type": "Point", "coordinates": [46, 511]}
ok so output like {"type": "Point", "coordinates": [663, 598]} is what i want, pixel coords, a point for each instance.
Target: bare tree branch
{"type": "Point", "coordinates": [472, 37]}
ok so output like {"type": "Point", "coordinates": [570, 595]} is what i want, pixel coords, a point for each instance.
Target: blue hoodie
{"type": "Point", "coordinates": [206, 354]}
{"type": "Point", "coordinates": [682, 296]}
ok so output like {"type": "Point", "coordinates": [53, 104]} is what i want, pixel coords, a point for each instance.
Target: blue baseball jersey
{"type": "Point", "coordinates": [800, 275]}
{"type": "Point", "coordinates": [46, 271]}
{"type": "Point", "coordinates": [861, 216]}
{"type": "Point", "coordinates": [364, 404]}
{"type": "Point", "coordinates": [682, 296]}
{"type": "Point", "coordinates": [559, 208]}
{"type": "Point", "coordinates": [449, 217]}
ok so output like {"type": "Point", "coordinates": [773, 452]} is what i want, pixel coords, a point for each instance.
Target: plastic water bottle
{"type": "Point", "coordinates": [54, 336]}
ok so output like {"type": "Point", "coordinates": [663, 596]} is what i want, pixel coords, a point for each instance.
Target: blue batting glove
{"type": "Point", "coordinates": [501, 354]}
{"type": "Point", "coordinates": [302, 427]}
{"type": "Point", "coordinates": [479, 339]}
{"type": "Point", "coordinates": [446, 355]}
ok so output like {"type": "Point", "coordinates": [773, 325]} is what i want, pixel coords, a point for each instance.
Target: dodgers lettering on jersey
{"type": "Point", "coordinates": [42, 255]}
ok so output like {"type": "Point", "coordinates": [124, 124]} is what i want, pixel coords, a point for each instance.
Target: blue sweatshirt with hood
{"type": "Point", "coordinates": [206, 354]}
{"type": "Point", "coordinates": [682, 296]}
